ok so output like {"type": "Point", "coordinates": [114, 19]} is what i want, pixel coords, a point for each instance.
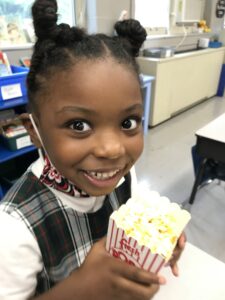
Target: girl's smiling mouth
{"type": "Point", "coordinates": [102, 175]}
{"type": "Point", "coordinates": [103, 178]}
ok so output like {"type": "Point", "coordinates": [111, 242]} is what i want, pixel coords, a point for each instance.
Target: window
{"type": "Point", "coordinates": [152, 13]}
{"type": "Point", "coordinates": [16, 23]}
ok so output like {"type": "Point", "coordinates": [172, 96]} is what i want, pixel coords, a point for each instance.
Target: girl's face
{"type": "Point", "coordinates": [91, 124]}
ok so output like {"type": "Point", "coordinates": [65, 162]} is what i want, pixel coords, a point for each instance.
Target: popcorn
{"type": "Point", "coordinates": [145, 230]}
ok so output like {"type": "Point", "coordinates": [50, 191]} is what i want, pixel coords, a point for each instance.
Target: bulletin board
{"type": "Point", "coordinates": [16, 26]}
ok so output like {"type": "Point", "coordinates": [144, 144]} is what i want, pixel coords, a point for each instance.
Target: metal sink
{"type": "Point", "coordinates": [188, 50]}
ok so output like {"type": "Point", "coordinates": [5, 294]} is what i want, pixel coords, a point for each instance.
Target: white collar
{"type": "Point", "coordinates": [81, 204]}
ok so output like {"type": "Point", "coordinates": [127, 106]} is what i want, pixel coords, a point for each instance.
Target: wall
{"type": "Point", "coordinates": [194, 9]}
{"type": "Point", "coordinates": [100, 16]}
{"type": "Point", "coordinates": [105, 13]}
{"type": "Point", "coordinates": [210, 15]}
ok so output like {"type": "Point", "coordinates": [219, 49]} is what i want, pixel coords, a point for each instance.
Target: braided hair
{"type": "Point", "coordinates": [60, 47]}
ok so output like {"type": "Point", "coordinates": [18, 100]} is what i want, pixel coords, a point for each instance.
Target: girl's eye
{"type": "Point", "coordinates": [80, 126]}
{"type": "Point", "coordinates": [130, 124]}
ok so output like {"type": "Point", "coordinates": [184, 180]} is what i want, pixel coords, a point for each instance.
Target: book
{"type": "Point", "coordinates": [5, 68]}
{"type": "Point", "coordinates": [25, 62]}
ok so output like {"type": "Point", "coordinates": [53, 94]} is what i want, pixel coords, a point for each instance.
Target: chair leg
{"type": "Point", "coordinates": [198, 179]}
{"type": "Point", "coordinates": [221, 84]}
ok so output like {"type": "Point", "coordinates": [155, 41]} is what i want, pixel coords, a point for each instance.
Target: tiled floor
{"type": "Point", "coordinates": [166, 166]}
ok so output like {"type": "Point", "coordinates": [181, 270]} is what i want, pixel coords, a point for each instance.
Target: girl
{"type": "Point", "coordinates": [86, 117]}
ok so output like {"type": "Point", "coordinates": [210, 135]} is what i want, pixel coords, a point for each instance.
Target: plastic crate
{"type": "Point", "coordinates": [14, 85]}
{"type": "Point", "coordinates": [16, 142]}
{"type": "Point", "coordinates": [14, 135]}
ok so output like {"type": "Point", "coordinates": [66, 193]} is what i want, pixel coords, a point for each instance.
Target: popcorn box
{"type": "Point", "coordinates": [144, 231]}
{"type": "Point", "coordinates": [126, 248]}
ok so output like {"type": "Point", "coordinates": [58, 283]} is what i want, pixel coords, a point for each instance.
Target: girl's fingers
{"type": "Point", "coordinates": [182, 241]}
{"type": "Point", "coordinates": [175, 269]}
{"type": "Point", "coordinates": [136, 274]}
{"type": "Point", "coordinates": [133, 290]}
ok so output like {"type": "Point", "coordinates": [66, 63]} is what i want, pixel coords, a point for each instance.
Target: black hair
{"type": "Point", "coordinates": [59, 47]}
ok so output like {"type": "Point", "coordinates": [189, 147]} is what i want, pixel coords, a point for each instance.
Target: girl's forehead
{"type": "Point", "coordinates": [105, 65]}
{"type": "Point", "coordinates": [91, 84]}
{"type": "Point", "coordinates": [94, 74]}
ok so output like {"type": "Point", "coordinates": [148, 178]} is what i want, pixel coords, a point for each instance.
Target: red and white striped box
{"type": "Point", "coordinates": [126, 248]}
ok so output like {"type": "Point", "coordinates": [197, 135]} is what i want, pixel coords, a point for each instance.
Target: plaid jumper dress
{"type": "Point", "coordinates": [64, 235]}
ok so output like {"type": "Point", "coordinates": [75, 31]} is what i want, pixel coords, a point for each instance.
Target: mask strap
{"type": "Point", "coordinates": [39, 136]}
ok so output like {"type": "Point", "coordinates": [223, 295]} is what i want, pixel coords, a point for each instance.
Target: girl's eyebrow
{"type": "Point", "coordinates": [75, 109]}
{"type": "Point", "coordinates": [133, 107]}
{"type": "Point", "coordinates": [88, 110]}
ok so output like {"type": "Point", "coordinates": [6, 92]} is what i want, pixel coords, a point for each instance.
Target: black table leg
{"type": "Point", "coordinates": [198, 180]}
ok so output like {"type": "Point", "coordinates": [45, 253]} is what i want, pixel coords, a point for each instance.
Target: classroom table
{"type": "Point", "coordinates": [210, 145]}
{"type": "Point", "coordinates": [201, 278]}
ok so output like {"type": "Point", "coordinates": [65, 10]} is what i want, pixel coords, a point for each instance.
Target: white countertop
{"type": "Point", "coordinates": [201, 278]}
{"type": "Point", "coordinates": [182, 55]}
{"type": "Point", "coordinates": [214, 130]}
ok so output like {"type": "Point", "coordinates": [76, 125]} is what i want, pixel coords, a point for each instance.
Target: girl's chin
{"type": "Point", "coordinates": [97, 192]}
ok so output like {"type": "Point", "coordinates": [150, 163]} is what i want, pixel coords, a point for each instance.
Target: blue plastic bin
{"type": "Point", "coordinates": [17, 80]}
{"type": "Point", "coordinates": [215, 44]}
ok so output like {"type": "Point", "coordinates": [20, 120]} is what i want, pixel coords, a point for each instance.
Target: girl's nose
{"type": "Point", "coordinates": [109, 146]}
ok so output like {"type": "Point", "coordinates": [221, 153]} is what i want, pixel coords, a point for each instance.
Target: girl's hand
{"type": "Point", "coordinates": [104, 277]}
{"type": "Point", "coordinates": [176, 254]}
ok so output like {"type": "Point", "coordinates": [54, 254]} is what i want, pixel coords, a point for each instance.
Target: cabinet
{"type": "Point", "coordinates": [181, 81]}
{"type": "Point", "coordinates": [14, 163]}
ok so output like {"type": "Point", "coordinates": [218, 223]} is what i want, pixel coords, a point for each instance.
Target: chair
{"type": "Point", "coordinates": [205, 170]}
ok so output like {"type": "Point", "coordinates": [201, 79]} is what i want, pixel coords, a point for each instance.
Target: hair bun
{"type": "Point", "coordinates": [133, 31]}
{"type": "Point", "coordinates": [66, 34]}
{"type": "Point", "coordinates": [45, 24]}
{"type": "Point", "coordinates": [44, 13]}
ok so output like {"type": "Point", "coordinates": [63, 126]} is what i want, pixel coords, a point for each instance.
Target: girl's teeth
{"type": "Point", "coordinates": [103, 176]}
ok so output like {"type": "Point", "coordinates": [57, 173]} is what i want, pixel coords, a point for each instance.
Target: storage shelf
{"type": "Point", "coordinates": [12, 103]}
{"type": "Point", "coordinates": [25, 155]}
{"type": "Point", "coordinates": [3, 191]}
{"type": "Point", "coordinates": [6, 154]}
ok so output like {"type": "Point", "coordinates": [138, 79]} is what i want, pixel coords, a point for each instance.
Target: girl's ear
{"type": "Point", "coordinates": [30, 129]}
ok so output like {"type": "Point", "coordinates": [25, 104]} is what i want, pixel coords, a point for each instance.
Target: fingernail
{"type": "Point", "coordinates": [162, 280]}
{"type": "Point", "coordinates": [176, 271]}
